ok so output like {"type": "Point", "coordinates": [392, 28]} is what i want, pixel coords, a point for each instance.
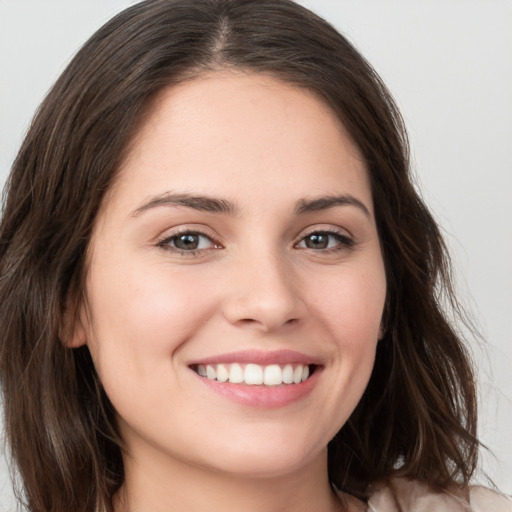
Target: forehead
{"type": "Point", "coordinates": [223, 126]}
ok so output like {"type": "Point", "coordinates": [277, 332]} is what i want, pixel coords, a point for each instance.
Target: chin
{"type": "Point", "coordinates": [256, 459]}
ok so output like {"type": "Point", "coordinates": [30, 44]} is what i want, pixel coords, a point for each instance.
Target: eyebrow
{"type": "Point", "coordinates": [316, 204]}
{"type": "Point", "coordinates": [202, 203]}
{"type": "Point", "coordinates": [223, 206]}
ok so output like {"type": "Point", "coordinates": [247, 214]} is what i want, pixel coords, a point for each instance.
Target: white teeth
{"type": "Point", "coordinates": [211, 372]}
{"type": "Point", "coordinates": [236, 374]}
{"type": "Point", "coordinates": [297, 374]}
{"type": "Point", "coordinates": [222, 373]}
{"type": "Point", "coordinates": [255, 374]}
{"type": "Point", "coordinates": [288, 374]}
{"type": "Point", "coordinates": [272, 375]}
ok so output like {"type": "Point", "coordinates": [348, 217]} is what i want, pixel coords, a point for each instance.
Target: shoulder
{"type": "Point", "coordinates": [402, 495]}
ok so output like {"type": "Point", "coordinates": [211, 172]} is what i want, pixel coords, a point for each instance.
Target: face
{"type": "Point", "coordinates": [235, 280]}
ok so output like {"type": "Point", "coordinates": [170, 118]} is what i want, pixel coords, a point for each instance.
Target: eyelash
{"type": "Point", "coordinates": [166, 242]}
{"type": "Point", "coordinates": [344, 241]}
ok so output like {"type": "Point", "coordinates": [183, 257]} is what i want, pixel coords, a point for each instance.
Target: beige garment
{"type": "Point", "coordinates": [409, 496]}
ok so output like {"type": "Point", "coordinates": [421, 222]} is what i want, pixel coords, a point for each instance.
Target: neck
{"type": "Point", "coordinates": [171, 485]}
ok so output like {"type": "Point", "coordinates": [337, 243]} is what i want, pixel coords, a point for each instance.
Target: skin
{"type": "Point", "coordinates": [256, 282]}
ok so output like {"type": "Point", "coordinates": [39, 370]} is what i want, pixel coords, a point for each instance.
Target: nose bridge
{"type": "Point", "coordinates": [262, 292]}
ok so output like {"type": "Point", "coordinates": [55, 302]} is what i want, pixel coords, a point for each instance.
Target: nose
{"type": "Point", "coordinates": [263, 294]}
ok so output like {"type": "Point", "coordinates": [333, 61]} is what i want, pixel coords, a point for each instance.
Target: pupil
{"type": "Point", "coordinates": [317, 241]}
{"type": "Point", "coordinates": [187, 242]}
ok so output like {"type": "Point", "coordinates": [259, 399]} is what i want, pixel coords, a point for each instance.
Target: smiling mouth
{"type": "Point", "coordinates": [255, 374]}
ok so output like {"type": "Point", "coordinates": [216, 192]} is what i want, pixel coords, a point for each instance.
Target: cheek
{"type": "Point", "coordinates": [348, 306]}
{"type": "Point", "coordinates": [352, 302]}
{"type": "Point", "coordinates": [140, 315]}
{"type": "Point", "coordinates": [351, 307]}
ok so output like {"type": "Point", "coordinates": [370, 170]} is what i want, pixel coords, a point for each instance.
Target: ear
{"type": "Point", "coordinates": [78, 336]}
{"type": "Point", "coordinates": [381, 331]}
{"type": "Point", "coordinates": [73, 332]}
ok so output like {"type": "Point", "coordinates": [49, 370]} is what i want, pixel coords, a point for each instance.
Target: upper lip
{"type": "Point", "coordinates": [262, 358]}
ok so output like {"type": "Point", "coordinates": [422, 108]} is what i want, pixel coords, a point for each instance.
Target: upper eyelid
{"type": "Point", "coordinates": [164, 241]}
{"type": "Point", "coordinates": [329, 230]}
{"type": "Point", "coordinates": [183, 230]}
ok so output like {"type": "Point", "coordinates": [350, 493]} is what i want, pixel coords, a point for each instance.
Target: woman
{"type": "Point", "coordinates": [219, 287]}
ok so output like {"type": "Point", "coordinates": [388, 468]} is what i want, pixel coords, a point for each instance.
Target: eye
{"type": "Point", "coordinates": [325, 240]}
{"type": "Point", "coordinates": [188, 242]}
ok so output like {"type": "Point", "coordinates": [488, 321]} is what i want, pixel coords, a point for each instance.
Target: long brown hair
{"type": "Point", "coordinates": [417, 417]}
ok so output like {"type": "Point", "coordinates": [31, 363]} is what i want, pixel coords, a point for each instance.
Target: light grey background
{"type": "Point", "coordinates": [449, 65]}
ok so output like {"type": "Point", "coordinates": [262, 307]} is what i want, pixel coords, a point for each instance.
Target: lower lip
{"type": "Point", "coordinates": [269, 397]}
